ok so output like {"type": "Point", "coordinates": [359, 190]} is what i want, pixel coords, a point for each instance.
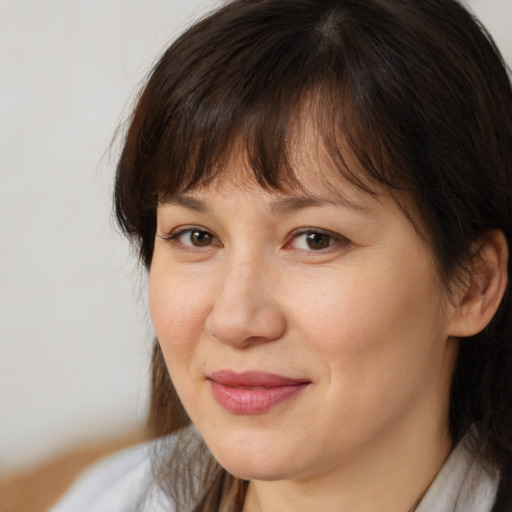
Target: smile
{"type": "Point", "coordinates": [253, 392]}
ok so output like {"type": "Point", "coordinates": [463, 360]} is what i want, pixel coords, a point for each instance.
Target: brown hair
{"type": "Point", "coordinates": [416, 91]}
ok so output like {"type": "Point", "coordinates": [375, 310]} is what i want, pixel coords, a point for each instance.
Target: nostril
{"type": "Point", "coordinates": [255, 326]}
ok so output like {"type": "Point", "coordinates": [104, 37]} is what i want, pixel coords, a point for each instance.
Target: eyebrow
{"type": "Point", "coordinates": [292, 204]}
{"type": "Point", "coordinates": [278, 207]}
{"type": "Point", "coordinates": [189, 202]}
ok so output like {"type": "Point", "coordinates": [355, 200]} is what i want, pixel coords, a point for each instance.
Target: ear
{"type": "Point", "coordinates": [485, 286]}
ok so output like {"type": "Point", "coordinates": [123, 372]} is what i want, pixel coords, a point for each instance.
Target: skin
{"type": "Point", "coordinates": [363, 318]}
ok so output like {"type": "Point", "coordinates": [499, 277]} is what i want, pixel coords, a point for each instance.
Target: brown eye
{"type": "Point", "coordinates": [200, 238]}
{"type": "Point", "coordinates": [194, 238]}
{"type": "Point", "coordinates": [317, 241]}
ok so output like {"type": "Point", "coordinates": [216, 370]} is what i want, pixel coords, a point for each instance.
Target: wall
{"type": "Point", "coordinates": [74, 336]}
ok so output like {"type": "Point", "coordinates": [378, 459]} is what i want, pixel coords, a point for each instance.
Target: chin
{"type": "Point", "coordinates": [254, 461]}
{"type": "Point", "coordinates": [250, 469]}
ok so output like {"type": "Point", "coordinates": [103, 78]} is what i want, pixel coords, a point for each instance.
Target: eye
{"type": "Point", "coordinates": [316, 240]}
{"type": "Point", "coordinates": [194, 237]}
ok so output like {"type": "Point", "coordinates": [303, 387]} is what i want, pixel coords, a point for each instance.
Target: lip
{"type": "Point", "coordinates": [253, 392]}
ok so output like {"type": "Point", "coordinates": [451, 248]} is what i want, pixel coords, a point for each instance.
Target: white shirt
{"type": "Point", "coordinates": [123, 482]}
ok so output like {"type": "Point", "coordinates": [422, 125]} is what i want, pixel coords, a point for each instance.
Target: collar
{"type": "Point", "coordinates": [465, 483]}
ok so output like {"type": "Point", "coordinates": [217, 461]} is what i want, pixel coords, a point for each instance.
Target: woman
{"type": "Point", "coordinates": [321, 192]}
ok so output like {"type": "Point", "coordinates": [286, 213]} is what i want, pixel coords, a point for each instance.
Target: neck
{"type": "Point", "coordinates": [391, 479]}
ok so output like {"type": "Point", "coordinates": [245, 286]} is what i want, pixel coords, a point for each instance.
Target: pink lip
{"type": "Point", "coordinates": [253, 392]}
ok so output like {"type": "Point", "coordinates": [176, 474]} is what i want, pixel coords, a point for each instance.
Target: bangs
{"type": "Point", "coordinates": [264, 148]}
{"type": "Point", "coordinates": [226, 96]}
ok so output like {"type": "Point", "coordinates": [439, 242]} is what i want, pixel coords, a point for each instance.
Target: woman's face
{"type": "Point", "coordinates": [303, 333]}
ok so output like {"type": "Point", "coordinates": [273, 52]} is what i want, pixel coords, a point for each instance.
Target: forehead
{"type": "Point", "coordinates": [311, 180]}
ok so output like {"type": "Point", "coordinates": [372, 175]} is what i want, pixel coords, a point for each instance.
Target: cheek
{"type": "Point", "coordinates": [178, 309]}
{"type": "Point", "coordinates": [385, 319]}
{"type": "Point", "coordinates": [381, 342]}
{"type": "Point", "coordinates": [348, 314]}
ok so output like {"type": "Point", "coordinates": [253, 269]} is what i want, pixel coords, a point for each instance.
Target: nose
{"type": "Point", "coordinates": [245, 309]}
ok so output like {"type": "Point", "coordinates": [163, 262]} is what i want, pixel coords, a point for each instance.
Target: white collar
{"type": "Point", "coordinates": [465, 483]}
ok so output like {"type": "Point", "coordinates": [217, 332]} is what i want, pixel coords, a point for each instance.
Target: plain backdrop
{"type": "Point", "coordinates": [74, 332]}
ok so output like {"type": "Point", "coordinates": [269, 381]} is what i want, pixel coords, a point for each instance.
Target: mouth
{"type": "Point", "coordinates": [253, 392]}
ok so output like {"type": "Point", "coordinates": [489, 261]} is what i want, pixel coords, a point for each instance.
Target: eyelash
{"type": "Point", "coordinates": [333, 238]}
{"type": "Point", "coordinates": [174, 237]}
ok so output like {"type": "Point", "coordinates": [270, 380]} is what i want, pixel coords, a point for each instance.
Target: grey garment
{"type": "Point", "coordinates": [123, 482]}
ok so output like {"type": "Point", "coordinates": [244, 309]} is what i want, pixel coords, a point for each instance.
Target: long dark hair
{"type": "Point", "coordinates": [416, 91]}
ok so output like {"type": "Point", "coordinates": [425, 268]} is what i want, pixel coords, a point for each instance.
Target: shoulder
{"type": "Point", "coordinates": [122, 482]}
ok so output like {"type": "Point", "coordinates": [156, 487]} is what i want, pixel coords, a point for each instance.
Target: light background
{"type": "Point", "coordinates": [74, 333]}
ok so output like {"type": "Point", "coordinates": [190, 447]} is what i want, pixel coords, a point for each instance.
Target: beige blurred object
{"type": "Point", "coordinates": [38, 488]}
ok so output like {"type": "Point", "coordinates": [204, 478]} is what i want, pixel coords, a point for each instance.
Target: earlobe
{"type": "Point", "coordinates": [485, 286]}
